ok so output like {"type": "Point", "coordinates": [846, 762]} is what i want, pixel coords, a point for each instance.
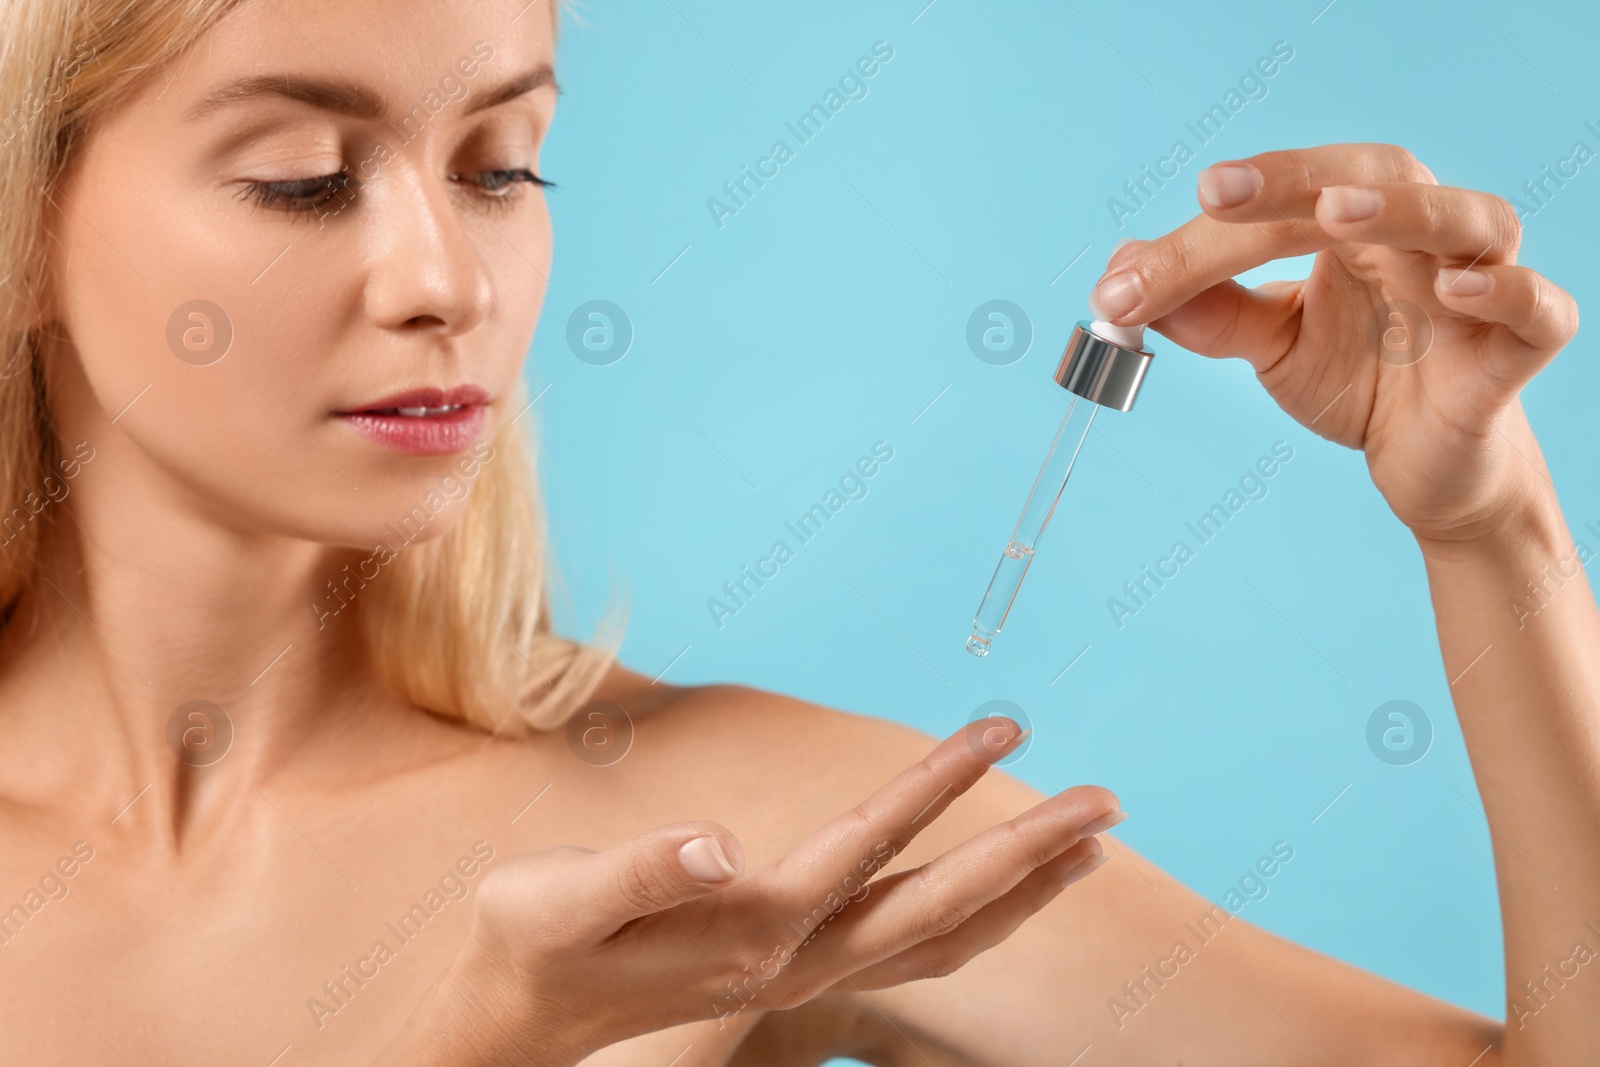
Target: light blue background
{"type": "Point", "coordinates": [832, 309]}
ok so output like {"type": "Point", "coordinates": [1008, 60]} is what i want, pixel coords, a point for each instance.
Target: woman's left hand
{"type": "Point", "coordinates": [1401, 263]}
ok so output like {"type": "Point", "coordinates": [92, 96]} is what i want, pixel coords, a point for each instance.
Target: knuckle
{"type": "Point", "coordinates": [1533, 296]}
{"type": "Point", "coordinates": [1404, 166]}
{"type": "Point", "coordinates": [1300, 175]}
{"type": "Point", "coordinates": [862, 814]}
{"type": "Point", "coordinates": [1434, 208]}
{"type": "Point", "coordinates": [642, 884]}
{"type": "Point", "coordinates": [895, 835]}
{"type": "Point", "coordinates": [1176, 258]}
{"type": "Point", "coordinates": [939, 916]}
{"type": "Point", "coordinates": [1505, 228]}
{"type": "Point", "coordinates": [869, 825]}
{"type": "Point", "coordinates": [1554, 305]}
{"type": "Point", "coordinates": [1034, 850]}
{"type": "Point", "coordinates": [788, 990]}
{"type": "Point", "coordinates": [939, 919]}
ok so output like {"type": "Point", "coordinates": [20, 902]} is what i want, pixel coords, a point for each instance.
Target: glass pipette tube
{"type": "Point", "coordinates": [1042, 500]}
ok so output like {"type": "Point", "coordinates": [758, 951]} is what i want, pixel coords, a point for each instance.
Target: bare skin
{"type": "Point", "coordinates": [207, 906]}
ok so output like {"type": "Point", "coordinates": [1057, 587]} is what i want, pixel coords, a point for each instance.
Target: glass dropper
{"type": "Point", "coordinates": [1018, 553]}
{"type": "Point", "coordinates": [1103, 366]}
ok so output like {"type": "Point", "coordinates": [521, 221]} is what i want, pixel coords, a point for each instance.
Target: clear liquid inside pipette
{"type": "Point", "coordinates": [1024, 540]}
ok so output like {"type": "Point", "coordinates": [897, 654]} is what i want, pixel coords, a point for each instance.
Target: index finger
{"type": "Point", "coordinates": [1147, 279]}
{"type": "Point", "coordinates": [1257, 209]}
{"type": "Point", "coordinates": [867, 837]}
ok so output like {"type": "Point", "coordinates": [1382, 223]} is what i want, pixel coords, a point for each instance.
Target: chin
{"type": "Point", "coordinates": [420, 509]}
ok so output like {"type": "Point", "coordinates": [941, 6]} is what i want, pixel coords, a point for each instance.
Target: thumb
{"type": "Point", "coordinates": [661, 869]}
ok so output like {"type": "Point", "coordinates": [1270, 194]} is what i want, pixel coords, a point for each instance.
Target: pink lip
{"type": "Point", "coordinates": [423, 435]}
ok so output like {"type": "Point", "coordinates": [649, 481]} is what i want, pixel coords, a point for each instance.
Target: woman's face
{"type": "Point", "coordinates": [285, 352]}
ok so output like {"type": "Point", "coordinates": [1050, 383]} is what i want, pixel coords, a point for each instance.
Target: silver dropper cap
{"type": "Point", "coordinates": [1100, 370]}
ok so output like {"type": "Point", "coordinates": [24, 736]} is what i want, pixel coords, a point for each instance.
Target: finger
{"type": "Point", "coordinates": [1256, 209]}
{"type": "Point", "coordinates": [993, 923]}
{"type": "Point", "coordinates": [1258, 325]}
{"type": "Point", "coordinates": [655, 871]}
{"type": "Point", "coordinates": [1273, 186]}
{"type": "Point", "coordinates": [936, 898]}
{"type": "Point", "coordinates": [1459, 224]}
{"type": "Point", "coordinates": [1540, 317]}
{"type": "Point", "coordinates": [1147, 279]}
{"type": "Point", "coordinates": [865, 839]}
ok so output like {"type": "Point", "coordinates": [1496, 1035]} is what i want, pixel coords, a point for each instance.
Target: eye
{"type": "Point", "coordinates": [303, 196]}
{"type": "Point", "coordinates": [501, 185]}
{"type": "Point", "coordinates": [313, 196]}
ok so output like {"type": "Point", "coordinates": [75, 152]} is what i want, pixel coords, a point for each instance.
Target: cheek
{"type": "Point", "coordinates": [191, 318]}
{"type": "Point", "coordinates": [520, 281]}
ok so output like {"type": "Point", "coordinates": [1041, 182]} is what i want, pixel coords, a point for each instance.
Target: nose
{"type": "Point", "coordinates": [426, 272]}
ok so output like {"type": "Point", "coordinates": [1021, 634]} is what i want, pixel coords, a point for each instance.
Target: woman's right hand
{"type": "Point", "coordinates": [572, 950]}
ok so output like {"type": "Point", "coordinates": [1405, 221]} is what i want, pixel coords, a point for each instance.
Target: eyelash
{"type": "Point", "coordinates": [306, 195]}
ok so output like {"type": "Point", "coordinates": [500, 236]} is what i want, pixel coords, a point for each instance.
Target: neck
{"type": "Point", "coordinates": [141, 606]}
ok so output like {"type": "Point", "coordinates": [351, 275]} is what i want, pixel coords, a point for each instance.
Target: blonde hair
{"type": "Point", "coordinates": [459, 625]}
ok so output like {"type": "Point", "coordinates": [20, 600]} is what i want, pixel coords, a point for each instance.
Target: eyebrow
{"type": "Point", "coordinates": [346, 98]}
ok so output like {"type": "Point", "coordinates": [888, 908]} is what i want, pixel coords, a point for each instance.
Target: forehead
{"type": "Point", "coordinates": [389, 51]}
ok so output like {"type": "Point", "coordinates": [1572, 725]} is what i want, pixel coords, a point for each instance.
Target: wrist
{"type": "Point", "coordinates": [521, 1027]}
{"type": "Point", "coordinates": [1530, 525]}
{"type": "Point", "coordinates": [477, 1015]}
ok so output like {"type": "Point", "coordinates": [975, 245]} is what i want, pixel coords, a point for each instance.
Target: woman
{"type": "Point", "coordinates": [286, 763]}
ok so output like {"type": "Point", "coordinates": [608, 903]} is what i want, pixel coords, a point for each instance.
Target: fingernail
{"type": "Point", "coordinates": [1100, 826]}
{"type": "Point", "coordinates": [1083, 868]}
{"type": "Point", "coordinates": [1466, 282]}
{"type": "Point", "coordinates": [1228, 184]}
{"type": "Point", "coordinates": [999, 743]}
{"type": "Point", "coordinates": [703, 860]}
{"type": "Point", "coordinates": [1351, 203]}
{"type": "Point", "coordinates": [1117, 295]}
